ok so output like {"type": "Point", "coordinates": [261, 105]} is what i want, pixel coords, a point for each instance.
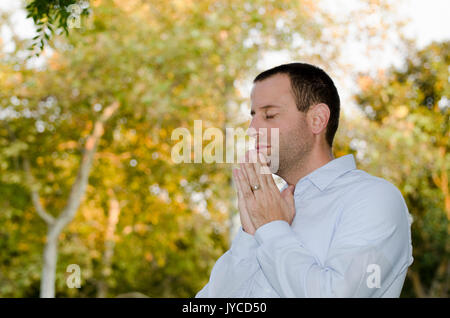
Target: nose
{"type": "Point", "coordinates": [255, 130]}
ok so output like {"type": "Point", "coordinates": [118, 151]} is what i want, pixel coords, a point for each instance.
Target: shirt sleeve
{"type": "Point", "coordinates": [370, 248]}
{"type": "Point", "coordinates": [233, 270]}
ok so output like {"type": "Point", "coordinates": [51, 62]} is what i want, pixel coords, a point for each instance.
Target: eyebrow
{"type": "Point", "coordinates": [252, 112]}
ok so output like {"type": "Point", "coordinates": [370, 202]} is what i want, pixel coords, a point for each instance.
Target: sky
{"type": "Point", "coordinates": [430, 20]}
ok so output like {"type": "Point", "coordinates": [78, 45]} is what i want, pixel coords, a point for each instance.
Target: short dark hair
{"type": "Point", "coordinates": [310, 86]}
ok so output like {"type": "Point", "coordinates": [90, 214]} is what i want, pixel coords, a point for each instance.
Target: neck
{"type": "Point", "coordinates": [318, 157]}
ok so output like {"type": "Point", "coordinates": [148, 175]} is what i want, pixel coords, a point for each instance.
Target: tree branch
{"type": "Point", "coordinates": [34, 194]}
{"type": "Point", "coordinates": [79, 186]}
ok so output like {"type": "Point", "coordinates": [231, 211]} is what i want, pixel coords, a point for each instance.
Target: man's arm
{"type": "Point", "coordinates": [233, 269]}
{"type": "Point", "coordinates": [372, 237]}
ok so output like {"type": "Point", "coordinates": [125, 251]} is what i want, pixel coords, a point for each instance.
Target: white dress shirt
{"type": "Point", "coordinates": [350, 237]}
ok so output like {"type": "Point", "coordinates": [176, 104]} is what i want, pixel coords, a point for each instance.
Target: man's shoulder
{"type": "Point", "coordinates": [371, 203]}
{"type": "Point", "coordinates": [358, 185]}
{"type": "Point", "coordinates": [360, 180]}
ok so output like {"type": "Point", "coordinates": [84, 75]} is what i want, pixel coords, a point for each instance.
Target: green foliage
{"type": "Point", "coordinates": [53, 17]}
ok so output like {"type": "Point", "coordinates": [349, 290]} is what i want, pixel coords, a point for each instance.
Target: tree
{"type": "Point", "coordinates": [53, 17]}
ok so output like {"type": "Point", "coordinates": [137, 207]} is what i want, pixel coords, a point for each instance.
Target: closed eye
{"type": "Point", "coordinates": [270, 116]}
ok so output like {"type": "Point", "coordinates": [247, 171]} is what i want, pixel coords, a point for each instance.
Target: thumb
{"type": "Point", "coordinates": [288, 197]}
{"type": "Point", "coordinates": [288, 193]}
{"type": "Point", "coordinates": [292, 187]}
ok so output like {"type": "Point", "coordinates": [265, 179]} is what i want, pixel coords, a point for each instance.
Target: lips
{"type": "Point", "coordinates": [259, 147]}
{"type": "Point", "coordinates": [263, 149]}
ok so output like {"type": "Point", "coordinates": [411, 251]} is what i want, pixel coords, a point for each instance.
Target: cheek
{"type": "Point", "coordinates": [294, 132]}
{"type": "Point", "coordinates": [288, 129]}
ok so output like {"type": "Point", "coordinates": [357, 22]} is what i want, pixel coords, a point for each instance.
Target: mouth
{"type": "Point", "coordinates": [261, 147]}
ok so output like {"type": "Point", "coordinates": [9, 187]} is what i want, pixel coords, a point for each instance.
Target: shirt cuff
{"type": "Point", "coordinates": [269, 231]}
{"type": "Point", "coordinates": [244, 244]}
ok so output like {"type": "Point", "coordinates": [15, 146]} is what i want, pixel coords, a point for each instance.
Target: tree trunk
{"type": "Point", "coordinates": [56, 225]}
{"type": "Point", "coordinates": [49, 265]}
{"type": "Point", "coordinates": [113, 218]}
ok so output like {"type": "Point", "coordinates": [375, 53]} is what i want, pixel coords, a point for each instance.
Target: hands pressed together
{"type": "Point", "coordinates": [259, 199]}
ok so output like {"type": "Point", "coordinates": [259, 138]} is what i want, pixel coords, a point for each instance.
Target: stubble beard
{"type": "Point", "coordinates": [293, 153]}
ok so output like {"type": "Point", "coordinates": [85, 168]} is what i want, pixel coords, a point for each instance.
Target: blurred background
{"type": "Point", "coordinates": [90, 95]}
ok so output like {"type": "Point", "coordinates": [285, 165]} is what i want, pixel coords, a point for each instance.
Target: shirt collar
{"type": "Point", "coordinates": [322, 177]}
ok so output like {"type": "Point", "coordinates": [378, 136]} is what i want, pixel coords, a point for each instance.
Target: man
{"type": "Point", "coordinates": [334, 230]}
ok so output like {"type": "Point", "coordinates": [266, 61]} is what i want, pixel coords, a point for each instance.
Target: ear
{"type": "Point", "coordinates": [317, 117]}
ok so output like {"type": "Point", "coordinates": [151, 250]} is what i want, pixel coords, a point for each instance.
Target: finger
{"type": "Point", "coordinates": [245, 187]}
{"type": "Point", "coordinates": [250, 167]}
{"type": "Point", "coordinates": [246, 222]}
{"type": "Point", "coordinates": [266, 177]}
{"type": "Point", "coordinates": [288, 197]}
{"type": "Point", "coordinates": [263, 163]}
{"type": "Point", "coordinates": [254, 170]}
{"type": "Point", "coordinates": [288, 194]}
{"type": "Point", "coordinates": [236, 181]}
{"type": "Point", "coordinates": [252, 178]}
{"type": "Point", "coordinates": [240, 194]}
{"type": "Point", "coordinates": [263, 170]}
{"type": "Point", "coordinates": [245, 182]}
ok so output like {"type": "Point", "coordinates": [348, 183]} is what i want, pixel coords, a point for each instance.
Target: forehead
{"type": "Point", "coordinates": [274, 90]}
